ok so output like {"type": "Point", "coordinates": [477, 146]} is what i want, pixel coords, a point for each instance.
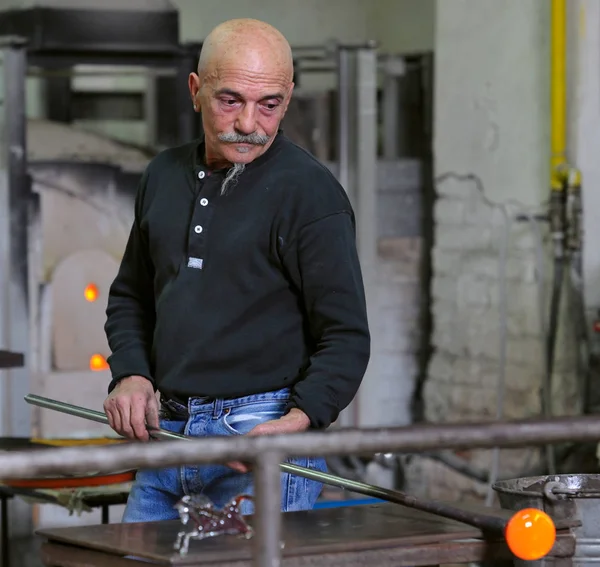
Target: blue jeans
{"type": "Point", "coordinates": [155, 492]}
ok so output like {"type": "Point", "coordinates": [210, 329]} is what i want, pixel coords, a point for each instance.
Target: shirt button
{"type": "Point", "coordinates": [204, 202]}
{"type": "Point", "coordinates": [201, 174]}
{"type": "Point", "coordinates": [197, 229]}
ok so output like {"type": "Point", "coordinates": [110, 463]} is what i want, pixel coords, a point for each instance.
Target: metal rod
{"type": "Point", "coordinates": [178, 454]}
{"type": "Point", "coordinates": [414, 438]}
{"type": "Point", "coordinates": [484, 522]}
{"type": "Point", "coordinates": [267, 513]}
{"type": "Point", "coordinates": [93, 415]}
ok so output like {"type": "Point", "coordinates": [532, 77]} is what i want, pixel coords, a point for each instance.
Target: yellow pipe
{"type": "Point", "coordinates": [558, 91]}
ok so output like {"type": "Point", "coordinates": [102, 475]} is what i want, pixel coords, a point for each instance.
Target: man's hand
{"type": "Point", "coordinates": [132, 407]}
{"type": "Point", "coordinates": [292, 422]}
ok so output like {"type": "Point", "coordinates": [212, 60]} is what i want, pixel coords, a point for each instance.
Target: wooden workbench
{"type": "Point", "coordinates": [379, 535]}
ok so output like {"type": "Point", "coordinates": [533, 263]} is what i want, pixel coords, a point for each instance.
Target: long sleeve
{"type": "Point", "coordinates": [323, 264]}
{"type": "Point", "coordinates": [130, 310]}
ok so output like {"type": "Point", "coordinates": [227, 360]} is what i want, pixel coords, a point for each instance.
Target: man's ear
{"type": "Point", "coordinates": [194, 87]}
{"type": "Point", "coordinates": [288, 97]}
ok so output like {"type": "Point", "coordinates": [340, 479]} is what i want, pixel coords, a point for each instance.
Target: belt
{"type": "Point", "coordinates": [166, 397]}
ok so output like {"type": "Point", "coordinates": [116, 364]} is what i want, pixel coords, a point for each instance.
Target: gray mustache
{"type": "Point", "coordinates": [234, 138]}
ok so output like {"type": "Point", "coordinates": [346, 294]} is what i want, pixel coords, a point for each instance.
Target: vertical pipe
{"type": "Point", "coordinates": [558, 138]}
{"type": "Point", "coordinates": [5, 260]}
{"type": "Point", "coordinates": [391, 108]}
{"type": "Point", "coordinates": [343, 122]}
{"type": "Point", "coordinates": [151, 108]}
{"type": "Point", "coordinates": [267, 514]}
{"type": "Point", "coordinates": [14, 216]}
{"type": "Point", "coordinates": [366, 158]}
{"type": "Point", "coordinates": [345, 146]}
{"type": "Point", "coordinates": [14, 79]}
{"type": "Point", "coordinates": [366, 181]}
{"type": "Point", "coordinates": [14, 280]}
{"type": "Point", "coordinates": [558, 89]}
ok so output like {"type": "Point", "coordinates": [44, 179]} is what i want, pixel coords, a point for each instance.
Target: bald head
{"type": "Point", "coordinates": [248, 41]}
{"type": "Point", "coordinates": [243, 87]}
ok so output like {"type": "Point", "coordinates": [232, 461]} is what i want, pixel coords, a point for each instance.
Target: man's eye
{"type": "Point", "coordinates": [229, 101]}
{"type": "Point", "coordinates": [271, 106]}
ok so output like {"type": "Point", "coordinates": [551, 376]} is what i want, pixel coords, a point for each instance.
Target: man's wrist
{"type": "Point", "coordinates": [134, 379]}
{"type": "Point", "coordinates": [298, 415]}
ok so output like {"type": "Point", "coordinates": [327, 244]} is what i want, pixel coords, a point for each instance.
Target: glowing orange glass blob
{"type": "Point", "coordinates": [530, 534]}
{"type": "Point", "coordinates": [91, 292]}
{"type": "Point", "coordinates": [98, 363]}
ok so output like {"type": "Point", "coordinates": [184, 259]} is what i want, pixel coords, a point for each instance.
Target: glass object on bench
{"type": "Point", "coordinates": [202, 520]}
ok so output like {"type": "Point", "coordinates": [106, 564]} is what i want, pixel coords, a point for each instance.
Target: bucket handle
{"type": "Point", "coordinates": [552, 491]}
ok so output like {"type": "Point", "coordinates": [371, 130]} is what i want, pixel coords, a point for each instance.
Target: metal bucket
{"type": "Point", "coordinates": [562, 497]}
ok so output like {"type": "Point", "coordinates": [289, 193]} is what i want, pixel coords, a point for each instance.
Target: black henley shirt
{"type": "Point", "coordinates": [247, 292]}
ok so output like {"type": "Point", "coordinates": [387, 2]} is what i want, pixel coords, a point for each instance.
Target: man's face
{"type": "Point", "coordinates": [242, 104]}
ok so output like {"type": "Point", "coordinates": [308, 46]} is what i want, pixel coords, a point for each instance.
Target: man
{"type": "Point", "coordinates": [239, 297]}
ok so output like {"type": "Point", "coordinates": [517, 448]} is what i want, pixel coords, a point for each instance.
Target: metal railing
{"type": "Point", "coordinates": [267, 453]}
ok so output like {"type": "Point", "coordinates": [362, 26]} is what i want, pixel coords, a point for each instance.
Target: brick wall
{"type": "Point", "coordinates": [394, 303]}
{"type": "Point", "coordinates": [462, 383]}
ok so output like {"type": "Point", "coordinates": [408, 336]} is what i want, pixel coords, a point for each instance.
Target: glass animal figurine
{"type": "Point", "coordinates": [203, 520]}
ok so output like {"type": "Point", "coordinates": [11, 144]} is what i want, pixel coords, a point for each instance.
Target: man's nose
{"type": "Point", "coordinates": [246, 120]}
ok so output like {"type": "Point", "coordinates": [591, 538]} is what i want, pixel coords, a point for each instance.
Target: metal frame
{"type": "Point", "coordinates": [58, 39]}
{"type": "Point", "coordinates": [15, 202]}
{"type": "Point", "coordinates": [357, 79]}
{"type": "Point", "coordinates": [268, 452]}
{"type": "Point", "coordinates": [178, 62]}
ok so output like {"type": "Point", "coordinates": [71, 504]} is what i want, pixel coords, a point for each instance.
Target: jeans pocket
{"type": "Point", "coordinates": [242, 419]}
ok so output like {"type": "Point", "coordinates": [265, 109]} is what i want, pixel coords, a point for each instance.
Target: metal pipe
{"type": "Point", "coordinates": [558, 89]}
{"type": "Point", "coordinates": [366, 158]}
{"type": "Point", "coordinates": [345, 141]}
{"type": "Point", "coordinates": [267, 513]}
{"type": "Point", "coordinates": [390, 115]}
{"type": "Point", "coordinates": [14, 222]}
{"type": "Point", "coordinates": [93, 415]}
{"type": "Point", "coordinates": [343, 120]}
{"type": "Point", "coordinates": [415, 438]}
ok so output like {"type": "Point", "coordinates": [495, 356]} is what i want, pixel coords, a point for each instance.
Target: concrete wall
{"type": "Point", "coordinates": [399, 25]}
{"type": "Point", "coordinates": [303, 22]}
{"type": "Point", "coordinates": [403, 26]}
{"type": "Point", "coordinates": [491, 123]}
